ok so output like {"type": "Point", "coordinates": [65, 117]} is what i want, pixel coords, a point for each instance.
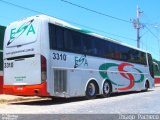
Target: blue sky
{"type": "Point", "coordinates": [116, 29]}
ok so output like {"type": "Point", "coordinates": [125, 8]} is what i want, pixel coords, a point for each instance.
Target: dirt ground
{"type": "Point", "coordinates": [4, 99]}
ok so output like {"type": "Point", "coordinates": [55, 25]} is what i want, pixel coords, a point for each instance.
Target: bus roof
{"type": "Point", "coordinates": [68, 25]}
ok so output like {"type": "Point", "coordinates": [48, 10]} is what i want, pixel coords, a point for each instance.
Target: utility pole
{"type": "Point", "coordinates": [137, 25]}
{"type": "Point", "coordinates": [138, 28]}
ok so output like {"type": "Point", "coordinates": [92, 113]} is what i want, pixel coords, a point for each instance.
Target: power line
{"type": "Point", "coordinates": [20, 7]}
{"type": "Point", "coordinates": [155, 37]}
{"type": "Point", "coordinates": [12, 4]}
{"type": "Point", "coordinates": [147, 24]}
{"type": "Point", "coordinates": [97, 12]}
{"type": "Point", "coordinates": [66, 20]}
{"type": "Point", "coordinates": [152, 33]}
{"type": "Point", "coordinates": [151, 48]}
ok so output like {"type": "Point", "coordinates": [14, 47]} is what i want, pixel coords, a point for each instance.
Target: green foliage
{"type": "Point", "coordinates": [2, 30]}
{"type": "Point", "coordinates": [157, 73]}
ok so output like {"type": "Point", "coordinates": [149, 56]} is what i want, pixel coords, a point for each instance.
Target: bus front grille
{"type": "Point", "coordinates": [60, 81]}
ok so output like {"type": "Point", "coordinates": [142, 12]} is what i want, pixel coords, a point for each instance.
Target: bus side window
{"type": "Point", "coordinates": [68, 40]}
{"type": "Point", "coordinates": [59, 38]}
{"type": "Point", "coordinates": [88, 45]}
{"type": "Point", "coordinates": [52, 38]}
{"type": "Point", "coordinates": [56, 37]}
{"type": "Point", "coordinates": [150, 64]}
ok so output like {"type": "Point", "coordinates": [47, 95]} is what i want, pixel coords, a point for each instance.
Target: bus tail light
{"type": "Point", "coordinates": [43, 69]}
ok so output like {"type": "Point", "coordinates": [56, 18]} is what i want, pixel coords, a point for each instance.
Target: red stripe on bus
{"type": "Point", "coordinates": [31, 90]}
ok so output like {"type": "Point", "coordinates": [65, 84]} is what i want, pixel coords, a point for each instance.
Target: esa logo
{"type": "Point", "coordinates": [27, 28]}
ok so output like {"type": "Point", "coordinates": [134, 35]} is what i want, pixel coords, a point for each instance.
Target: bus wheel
{"type": "Point", "coordinates": [91, 90]}
{"type": "Point", "coordinates": [146, 86]}
{"type": "Point", "coordinates": [107, 88]}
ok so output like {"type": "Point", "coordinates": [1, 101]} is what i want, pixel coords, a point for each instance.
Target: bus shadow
{"type": "Point", "coordinates": [128, 93]}
{"type": "Point", "coordinates": [56, 101]}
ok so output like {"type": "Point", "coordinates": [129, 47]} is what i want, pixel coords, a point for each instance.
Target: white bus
{"type": "Point", "coordinates": [45, 56]}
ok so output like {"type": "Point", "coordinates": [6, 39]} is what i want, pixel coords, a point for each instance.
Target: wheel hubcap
{"type": "Point", "coordinates": [91, 89]}
{"type": "Point", "coordinates": [106, 88]}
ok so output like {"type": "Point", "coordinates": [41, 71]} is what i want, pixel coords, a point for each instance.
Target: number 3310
{"type": "Point", "coordinates": [57, 56]}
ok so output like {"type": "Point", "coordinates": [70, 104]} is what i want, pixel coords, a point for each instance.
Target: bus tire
{"type": "Point", "coordinates": [91, 90]}
{"type": "Point", "coordinates": [107, 89]}
{"type": "Point", "coordinates": [146, 86]}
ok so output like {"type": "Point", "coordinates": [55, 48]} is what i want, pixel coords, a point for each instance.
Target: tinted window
{"type": "Point", "coordinates": [56, 37]}
{"type": "Point", "coordinates": [88, 45]}
{"type": "Point", "coordinates": [111, 50]}
{"type": "Point", "coordinates": [59, 38]}
{"type": "Point", "coordinates": [99, 47]}
{"type": "Point", "coordinates": [142, 58]}
{"type": "Point", "coordinates": [52, 38]}
{"type": "Point", "coordinates": [73, 41]}
{"type": "Point", "coordinates": [136, 56]}
{"type": "Point", "coordinates": [124, 53]}
{"type": "Point", "coordinates": [150, 62]}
